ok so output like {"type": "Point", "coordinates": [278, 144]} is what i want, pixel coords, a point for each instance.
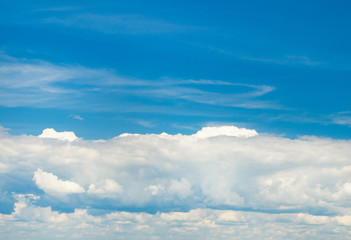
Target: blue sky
{"type": "Point", "coordinates": [175, 119]}
{"type": "Point", "coordinates": [175, 67]}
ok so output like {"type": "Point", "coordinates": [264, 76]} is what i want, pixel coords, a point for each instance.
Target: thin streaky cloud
{"type": "Point", "coordinates": [121, 24]}
{"type": "Point", "coordinates": [58, 9]}
{"type": "Point", "coordinates": [144, 123]}
{"type": "Point", "coordinates": [341, 118]}
{"type": "Point", "coordinates": [39, 83]}
{"type": "Point", "coordinates": [77, 117]}
{"type": "Point", "coordinates": [287, 59]}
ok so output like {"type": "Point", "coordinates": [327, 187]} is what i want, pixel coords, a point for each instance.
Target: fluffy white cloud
{"type": "Point", "coordinates": [33, 222]}
{"type": "Point", "coordinates": [50, 183]}
{"type": "Point", "coordinates": [207, 132]}
{"type": "Point", "coordinates": [164, 172]}
{"type": "Point", "coordinates": [64, 136]}
{"type": "Point", "coordinates": [181, 189]}
{"type": "Point", "coordinates": [155, 189]}
{"type": "Point", "coordinates": [105, 187]}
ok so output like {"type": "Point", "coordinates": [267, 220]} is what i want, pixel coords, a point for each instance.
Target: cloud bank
{"type": "Point", "coordinates": [221, 180]}
{"type": "Point", "coordinates": [195, 224]}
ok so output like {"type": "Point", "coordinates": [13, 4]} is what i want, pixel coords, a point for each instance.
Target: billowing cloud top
{"type": "Point", "coordinates": [207, 132]}
{"type": "Point", "coordinates": [51, 184]}
{"type": "Point", "coordinates": [305, 180]}
{"type": "Point", "coordinates": [65, 136]}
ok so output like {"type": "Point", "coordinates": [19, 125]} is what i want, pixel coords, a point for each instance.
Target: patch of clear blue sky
{"type": "Point", "coordinates": [299, 48]}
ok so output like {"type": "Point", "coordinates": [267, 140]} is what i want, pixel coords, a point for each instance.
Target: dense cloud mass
{"type": "Point", "coordinates": [223, 180]}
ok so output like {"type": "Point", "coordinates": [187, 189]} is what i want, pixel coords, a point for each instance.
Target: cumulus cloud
{"type": "Point", "coordinates": [155, 189]}
{"type": "Point", "coordinates": [51, 184]}
{"type": "Point", "coordinates": [194, 224]}
{"type": "Point", "coordinates": [105, 187]}
{"type": "Point", "coordinates": [306, 180]}
{"type": "Point", "coordinates": [225, 166]}
{"type": "Point", "coordinates": [181, 188]}
{"type": "Point", "coordinates": [64, 136]}
{"type": "Point", "coordinates": [207, 132]}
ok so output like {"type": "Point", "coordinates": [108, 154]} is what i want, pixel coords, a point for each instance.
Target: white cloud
{"type": "Point", "coordinates": [51, 184]}
{"type": "Point", "coordinates": [107, 186]}
{"type": "Point", "coordinates": [64, 136]}
{"type": "Point", "coordinates": [207, 132]}
{"type": "Point", "coordinates": [181, 189]}
{"type": "Point", "coordinates": [155, 189]}
{"type": "Point", "coordinates": [344, 220]}
{"type": "Point", "coordinates": [34, 222]}
{"type": "Point", "coordinates": [263, 173]}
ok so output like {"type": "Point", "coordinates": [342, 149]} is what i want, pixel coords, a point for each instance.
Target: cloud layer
{"type": "Point", "coordinates": [305, 181]}
{"type": "Point", "coordinates": [195, 224]}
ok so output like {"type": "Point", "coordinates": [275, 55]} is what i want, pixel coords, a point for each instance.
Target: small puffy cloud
{"type": "Point", "coordinates": [228, 216]}
{"type": "Point", "coordinates": [64, 136]}
{"type": "Point", "coordinates": [311, 219]}
{"type": "Point", "coordinates": [193, 215]}
{"type": "Point", "coordinates": [108, 186]}
{"type": "Point", "coordinates": [31, 221]}
{"type": "Point", "coordinates": [181, 189]}
{"type": "Point", "coordinates": [155, 189]}
{"type": "Point", "coordinates": [344, 220]}
{"type": "Point", "coordinates": [51, 184]}
{"type": "Point", "coordinates": [233, 131]}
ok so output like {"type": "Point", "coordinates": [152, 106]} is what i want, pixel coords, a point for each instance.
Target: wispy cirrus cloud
{"type": "Point", "coordinates": [39, 83]}
{"type": "Point", "coordinates": [287, 59]}
{"type": "Point", "coordinates": [77, 117]}
{"type": "Point", "coordinates": [58, 9]}
{"type": "Point", "coordinates": [242, 100]}
{"type": "Point", "coordinates": [341, 118]}
{"type": "Point", "coordinates": [121, 24]}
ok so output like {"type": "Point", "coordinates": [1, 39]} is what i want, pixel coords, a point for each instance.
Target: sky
{"type": "Point", "coordinates": [175, 119]}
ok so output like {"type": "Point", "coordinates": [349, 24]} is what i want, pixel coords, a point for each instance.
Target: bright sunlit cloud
{"type": "Point", "coordinates": [306, 180]}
